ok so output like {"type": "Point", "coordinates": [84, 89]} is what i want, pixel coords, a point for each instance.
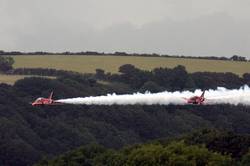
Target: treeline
{"type": "Point", "coordinates": [173, 79]}
{"type": "Point", "coordinates": [206, 147]}
{"type": "Point", "coordinates": [92, 53]}
{"type": "Point", "coordinates": [43, 72]}
{"type": "Point", "coordinates": [156, 80]}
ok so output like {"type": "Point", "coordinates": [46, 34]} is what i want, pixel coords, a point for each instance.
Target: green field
{"type": "Point", "coordinates": [11, 79]}
{"type": "Point", "coordinates": [88, 64]}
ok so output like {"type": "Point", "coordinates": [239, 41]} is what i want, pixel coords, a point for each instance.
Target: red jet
{"type": "Point", "coordinates": [45, 101]}
{"type": "Point", "coordinates": [198, 100]}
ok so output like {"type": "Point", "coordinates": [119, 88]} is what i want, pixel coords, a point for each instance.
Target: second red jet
{"type": "Point", "coordinates": [45, 101]}
{"type": "Point", "coordinates": [198, 100]}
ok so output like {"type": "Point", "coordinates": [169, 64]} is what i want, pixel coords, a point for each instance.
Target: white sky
{"type": "Point", "coordinates": [183, 27]}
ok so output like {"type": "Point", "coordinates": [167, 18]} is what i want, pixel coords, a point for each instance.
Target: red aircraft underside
{"type": "Point", "coordinates": [45, 101]}
{"type": "Point", "coordinates": [198, 100]}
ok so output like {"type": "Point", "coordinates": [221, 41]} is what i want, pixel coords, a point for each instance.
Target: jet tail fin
{"type": "Point", "coordinates": [203, 93]}
{"type": "Point", "coordinates": [51, 95]}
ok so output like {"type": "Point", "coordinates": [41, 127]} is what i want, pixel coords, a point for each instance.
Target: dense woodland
{"type": "Point", "coordinates": [108, 134]}
{"type": "Point", "coordinates": [206, 147]}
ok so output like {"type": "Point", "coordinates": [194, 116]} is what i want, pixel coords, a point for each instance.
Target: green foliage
{"type": "Point", "coordinates": [151, 87]}
{"type": "Point", "coordinates": [246, 78]}
{"type": "Point", "coordinates": [6, 63]}
{"type": "Point", "coordinates": [238, 58]}
{"type": "Point", "coordinates": [205, 80]}
{"type": "Point", "coordinates": [176, 78]}
{"type": "Point", "coordinates": [82, 156]}
{"type": "Point", "coordinates": [221, 141]}
{"type": "Point", "coordinates": [100, 74]}
{"type": "Point", "coordinates": [133, 76]}
{"type": "Point", "coordinates": [246, 159]}
{"type": "Point", "coordinates": [175, 153]}
{"type": "Point", "coordinates": [160, 79]}
{"type": "Point", "coordinates": [28, 133]}
{"type": "Point", "coordinates": [128, 69]}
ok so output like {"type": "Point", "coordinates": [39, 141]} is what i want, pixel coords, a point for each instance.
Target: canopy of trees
{"type": "Point", "coordinates": [6, 63]}
{"type": "Point", "coordinates": [182, 151]}
{"type": "Point", "coordinates": [27, 134]}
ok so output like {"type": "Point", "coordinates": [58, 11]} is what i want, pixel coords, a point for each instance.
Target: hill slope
{"type": "Point", "coordinates": [28, 133]}
{"type": "Point", "coordinates": [88, 64]}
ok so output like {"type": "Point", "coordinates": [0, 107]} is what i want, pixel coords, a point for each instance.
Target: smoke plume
{"type": "Point", "coordinates": [219, 96]}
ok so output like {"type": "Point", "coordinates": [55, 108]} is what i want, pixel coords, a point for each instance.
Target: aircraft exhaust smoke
{"type": "Point", "coordinates": [219, 96]}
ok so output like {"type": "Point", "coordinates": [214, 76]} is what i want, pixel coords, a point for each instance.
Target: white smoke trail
{"type": "Point", "coordinates": [219, 96]}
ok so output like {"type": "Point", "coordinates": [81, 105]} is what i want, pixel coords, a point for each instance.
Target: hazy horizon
{"type": "Point", "coordinates": [173, 27]}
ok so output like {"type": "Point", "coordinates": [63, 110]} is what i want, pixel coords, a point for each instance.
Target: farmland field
{"type": "Point", "coordinates": [88, 64]}
{"type": "Point", "coordinates": [11, 79]}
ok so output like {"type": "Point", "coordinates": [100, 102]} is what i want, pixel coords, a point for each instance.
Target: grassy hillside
{"type": "Point", "coordinates": [11, 79]}
{"type": "Point", "coordinates": [88, 64]}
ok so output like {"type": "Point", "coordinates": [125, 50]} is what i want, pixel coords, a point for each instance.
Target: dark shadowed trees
{"type": "Point", "coordinates": [6, 63]}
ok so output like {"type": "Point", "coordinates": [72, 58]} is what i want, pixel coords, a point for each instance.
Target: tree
{"type": "Point", "coordinates": [151, 86]}
{"type": "Point", "coordinates": [6, 63]}
{"type": "Point", "coordinates": [246, 78]}
{"type": "Point", "coordinates": [238, 58]}
{"type": "Point", "coordinates": [180, 77]}
{"type": "Point", "coordinates": [127, 69]}
{"type": "Point", "coordinates": [246, 159]}
{"type": "Point", "coordinates": [100, 74]}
